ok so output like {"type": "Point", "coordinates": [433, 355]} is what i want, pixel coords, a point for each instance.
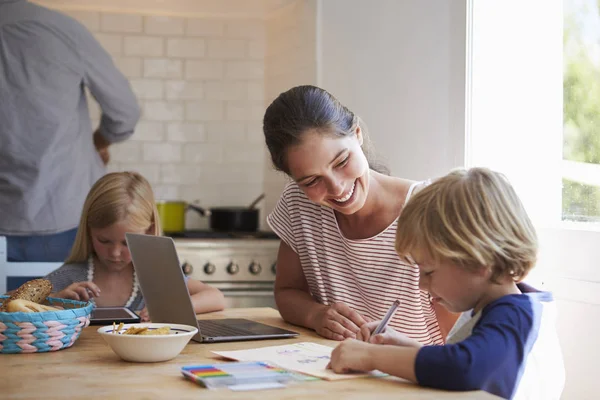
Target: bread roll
{"type": "Point", "coordinates": [21, 305]}
{"type": "Point", "coordinates": [35, 291]}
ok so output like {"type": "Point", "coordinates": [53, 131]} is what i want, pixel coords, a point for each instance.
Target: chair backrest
{"type": "Point", "coordinates": [12, 274]}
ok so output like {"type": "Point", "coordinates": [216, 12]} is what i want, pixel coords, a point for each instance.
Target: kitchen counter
{"type": "Point", "coordinates": [90, 370]}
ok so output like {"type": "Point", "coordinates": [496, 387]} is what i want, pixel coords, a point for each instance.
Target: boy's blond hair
{"type": "Point", "coordinates": [471, 218]}
{"type": "Point", "coordinates": [116, 197]}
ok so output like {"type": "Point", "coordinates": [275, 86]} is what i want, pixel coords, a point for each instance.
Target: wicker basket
{"type": "Point", "coordinates": [39, 332]}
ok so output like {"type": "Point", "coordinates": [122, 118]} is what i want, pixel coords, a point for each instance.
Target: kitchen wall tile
{"type": "Point", "coordinates": [148, 89]}
{"type": "Point", "coordinates": [162, 152]}
{"type": "Point", "coordinates": [162, 68]}
{"type": "Point", "coordinates": [200, 83]}
{"type": "Point", "coordinates": [226, 49]}
{"type": "Point", "coordinates": [250, 153]}
{"type": "Point", "coordinates": [254, 132]}
{"type": "Point", "coordinates": [185, 132]}
{"type": "Point", "coordinates": [256, 91]}
{"type": "Point", "coordinates": [148, 170]}
{"type": "Point", "coordinates": [244, 111]}
{"type": "Point", "coordinates": [207, 110]}
{"type": "Point", "coordinates": [167, 26]}
{"type": "Point", "coordinates": [246, 29]}
{"type": "Point", "coordinates": [205, 69]}
{"type": "Point", "coordinates": [123, 23]}
{"type": "Point", "coordinates": [180, 174]}
{"type": "Point", "coordinates": [90, 19]}
{"type": "Point", "coordinates": [163, 111]}
{"type": "Point", "coordinates": [112, 43]}
{"type": "Point", "coordinates": [184, 90]}
{"type": "Point", "coordinates": [131, 67]}
{"type": "Point", "coordinates": [244, 70]}
{"type": "Point", "coordinates": [166, 192]}
{"type": "Point", "coordinates": [225, 90]}
{"type": "Point", "coordinates": [149, 131]}
{"type": "Point", "coordinates": [225, 132]}
{"type": "Point", "coordinates": [205, 27]}
{"type": "Point", "coordinates": [147, 46]}
{"type": "Point", "coordinates": [205, 153]}
{"type": "Point", "coordinates": [241, 194]}
{"type": "Point", "coordinates": [128, 151]}
{"type": "Point", "coordinates": [186, 48]}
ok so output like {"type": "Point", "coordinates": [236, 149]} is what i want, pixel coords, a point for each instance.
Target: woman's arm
{"type": "Point", "coordinates": [205, 298]}
{"type": "Point", "coordinates": [297, 306]}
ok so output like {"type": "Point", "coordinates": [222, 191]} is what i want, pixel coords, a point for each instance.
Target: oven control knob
{"type": "Point", "coordinates": [209, 268]}
{"type": "Point", "coordinates": [255, 268]}
{"type": "Point", "coordinates": [274, 268]}
{"type": "Point", "coordinates": [233, 268]}
{"type": "Point", "coordinates": [187, 268]}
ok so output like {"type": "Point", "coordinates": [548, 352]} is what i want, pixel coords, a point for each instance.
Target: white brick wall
{"type": "Point", "coordinates": [201, 85]}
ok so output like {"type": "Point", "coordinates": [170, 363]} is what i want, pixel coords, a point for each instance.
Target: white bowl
{"type": "Point", "coordinates": [148, 348]}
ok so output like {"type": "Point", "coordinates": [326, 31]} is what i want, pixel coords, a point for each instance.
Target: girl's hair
{"type": "Point", "coordinates": [116, 197]}
{"type": "Point", "coordinates": [471, 218]}
{"type": "Point", "coordinates": [309, 108]}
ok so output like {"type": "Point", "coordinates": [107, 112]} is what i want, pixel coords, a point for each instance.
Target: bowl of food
{"type": "Point", "coordinates": [147, 342]}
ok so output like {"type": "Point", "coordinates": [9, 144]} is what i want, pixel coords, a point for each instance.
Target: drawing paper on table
{"type": "Point", "coordinates": [307, 358]}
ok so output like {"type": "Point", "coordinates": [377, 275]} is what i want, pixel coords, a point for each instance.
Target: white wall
{"type": "Point", "coordinates": [400, 65]}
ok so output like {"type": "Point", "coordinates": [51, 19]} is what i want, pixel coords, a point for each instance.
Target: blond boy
{"type": "Point", "coordinates": [473, 243]}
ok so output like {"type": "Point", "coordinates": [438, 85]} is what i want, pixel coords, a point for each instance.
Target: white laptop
{"type": "Point", "coordinates": [167, 298]}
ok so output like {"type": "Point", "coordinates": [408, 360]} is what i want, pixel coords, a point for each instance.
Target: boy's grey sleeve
{"type": "Point", "coordinates": [110, 88]}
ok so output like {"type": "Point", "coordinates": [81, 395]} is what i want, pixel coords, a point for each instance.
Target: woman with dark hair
{"type": "Point", "coordinates": [337, 267]}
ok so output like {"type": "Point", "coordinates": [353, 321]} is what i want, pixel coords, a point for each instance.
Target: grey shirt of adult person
{"type": "Point", "coordinates": [49, 158]}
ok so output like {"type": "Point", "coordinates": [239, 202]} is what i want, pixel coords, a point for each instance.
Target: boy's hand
{"type": "Point", "coordinates": [388, 336]}
{"type": "Point", "coordinates": [338, 322]}
{"type": "Point", "coordinates": [351, 356]}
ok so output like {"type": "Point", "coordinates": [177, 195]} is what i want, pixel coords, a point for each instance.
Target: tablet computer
{"type": "Point", "coordinates": [108, 315]}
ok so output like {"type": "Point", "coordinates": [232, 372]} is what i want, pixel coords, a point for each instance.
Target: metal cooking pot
{"type": "Point", "coordinates": [224, 219]}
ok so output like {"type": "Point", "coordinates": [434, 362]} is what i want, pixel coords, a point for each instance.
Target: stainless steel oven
{"type": "Point", "coordinates": [242, 266]}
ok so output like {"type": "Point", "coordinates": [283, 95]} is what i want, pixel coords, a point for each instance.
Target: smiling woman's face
{"type": "Point", "coordinates": [331, 170]}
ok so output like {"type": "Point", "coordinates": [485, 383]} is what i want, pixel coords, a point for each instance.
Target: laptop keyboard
{"type": "Point", "coordinates": [213, 329]}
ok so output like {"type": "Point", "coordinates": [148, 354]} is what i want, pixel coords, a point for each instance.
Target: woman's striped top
{"type": "Point", "coordinates": [366, 274]}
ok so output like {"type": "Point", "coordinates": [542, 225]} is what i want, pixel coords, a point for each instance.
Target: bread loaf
{"type": "Point", "coordinates": [35, 291]}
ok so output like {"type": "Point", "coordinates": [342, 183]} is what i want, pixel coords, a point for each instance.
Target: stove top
{"type": "Point", "coordinates": [208, 234]}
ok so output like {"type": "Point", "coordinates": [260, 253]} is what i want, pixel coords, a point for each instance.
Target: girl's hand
{"type": "Point", "coordinates": [82, 291]}
{"type": "Point", "coordinates": [388, 336]}
{"type": "Point", "coordinates": [338, 322]}
{"type": "Point", "coordinates": [351, 356]}
{"type": "Point", "coordinates": [144, 316]}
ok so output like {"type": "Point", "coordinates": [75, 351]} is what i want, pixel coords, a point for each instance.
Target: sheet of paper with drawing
{"type": "Point", "coordinates": [307, 358]}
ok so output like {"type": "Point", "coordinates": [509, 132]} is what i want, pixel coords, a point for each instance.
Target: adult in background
{"type": "Point", "coordinates": [49, 157]}
{"type": "Point", "coordinates": [337, 267]}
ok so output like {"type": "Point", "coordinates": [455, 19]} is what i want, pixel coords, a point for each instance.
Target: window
{"type": "Point", "coordinates": [581, 112]}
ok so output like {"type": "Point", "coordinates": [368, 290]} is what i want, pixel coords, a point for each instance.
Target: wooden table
{"type": "Point", "coordinates": [90, 370]}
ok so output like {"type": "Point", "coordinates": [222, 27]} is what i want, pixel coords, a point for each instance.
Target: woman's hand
{"type": "Point", "coordinates": [388, 336]}
{"type": "Point", "coordinates": [338, 322]}
{"type": "Point", "coordinates": [144, 316]}
{"type": "Point", "coordinates": [82, 291]}
{"type": "Point", "coordinates": [352, 356]}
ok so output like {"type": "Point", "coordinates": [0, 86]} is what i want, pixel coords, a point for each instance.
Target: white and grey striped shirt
{"type": "Point", "coordinates": [366, 274]}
